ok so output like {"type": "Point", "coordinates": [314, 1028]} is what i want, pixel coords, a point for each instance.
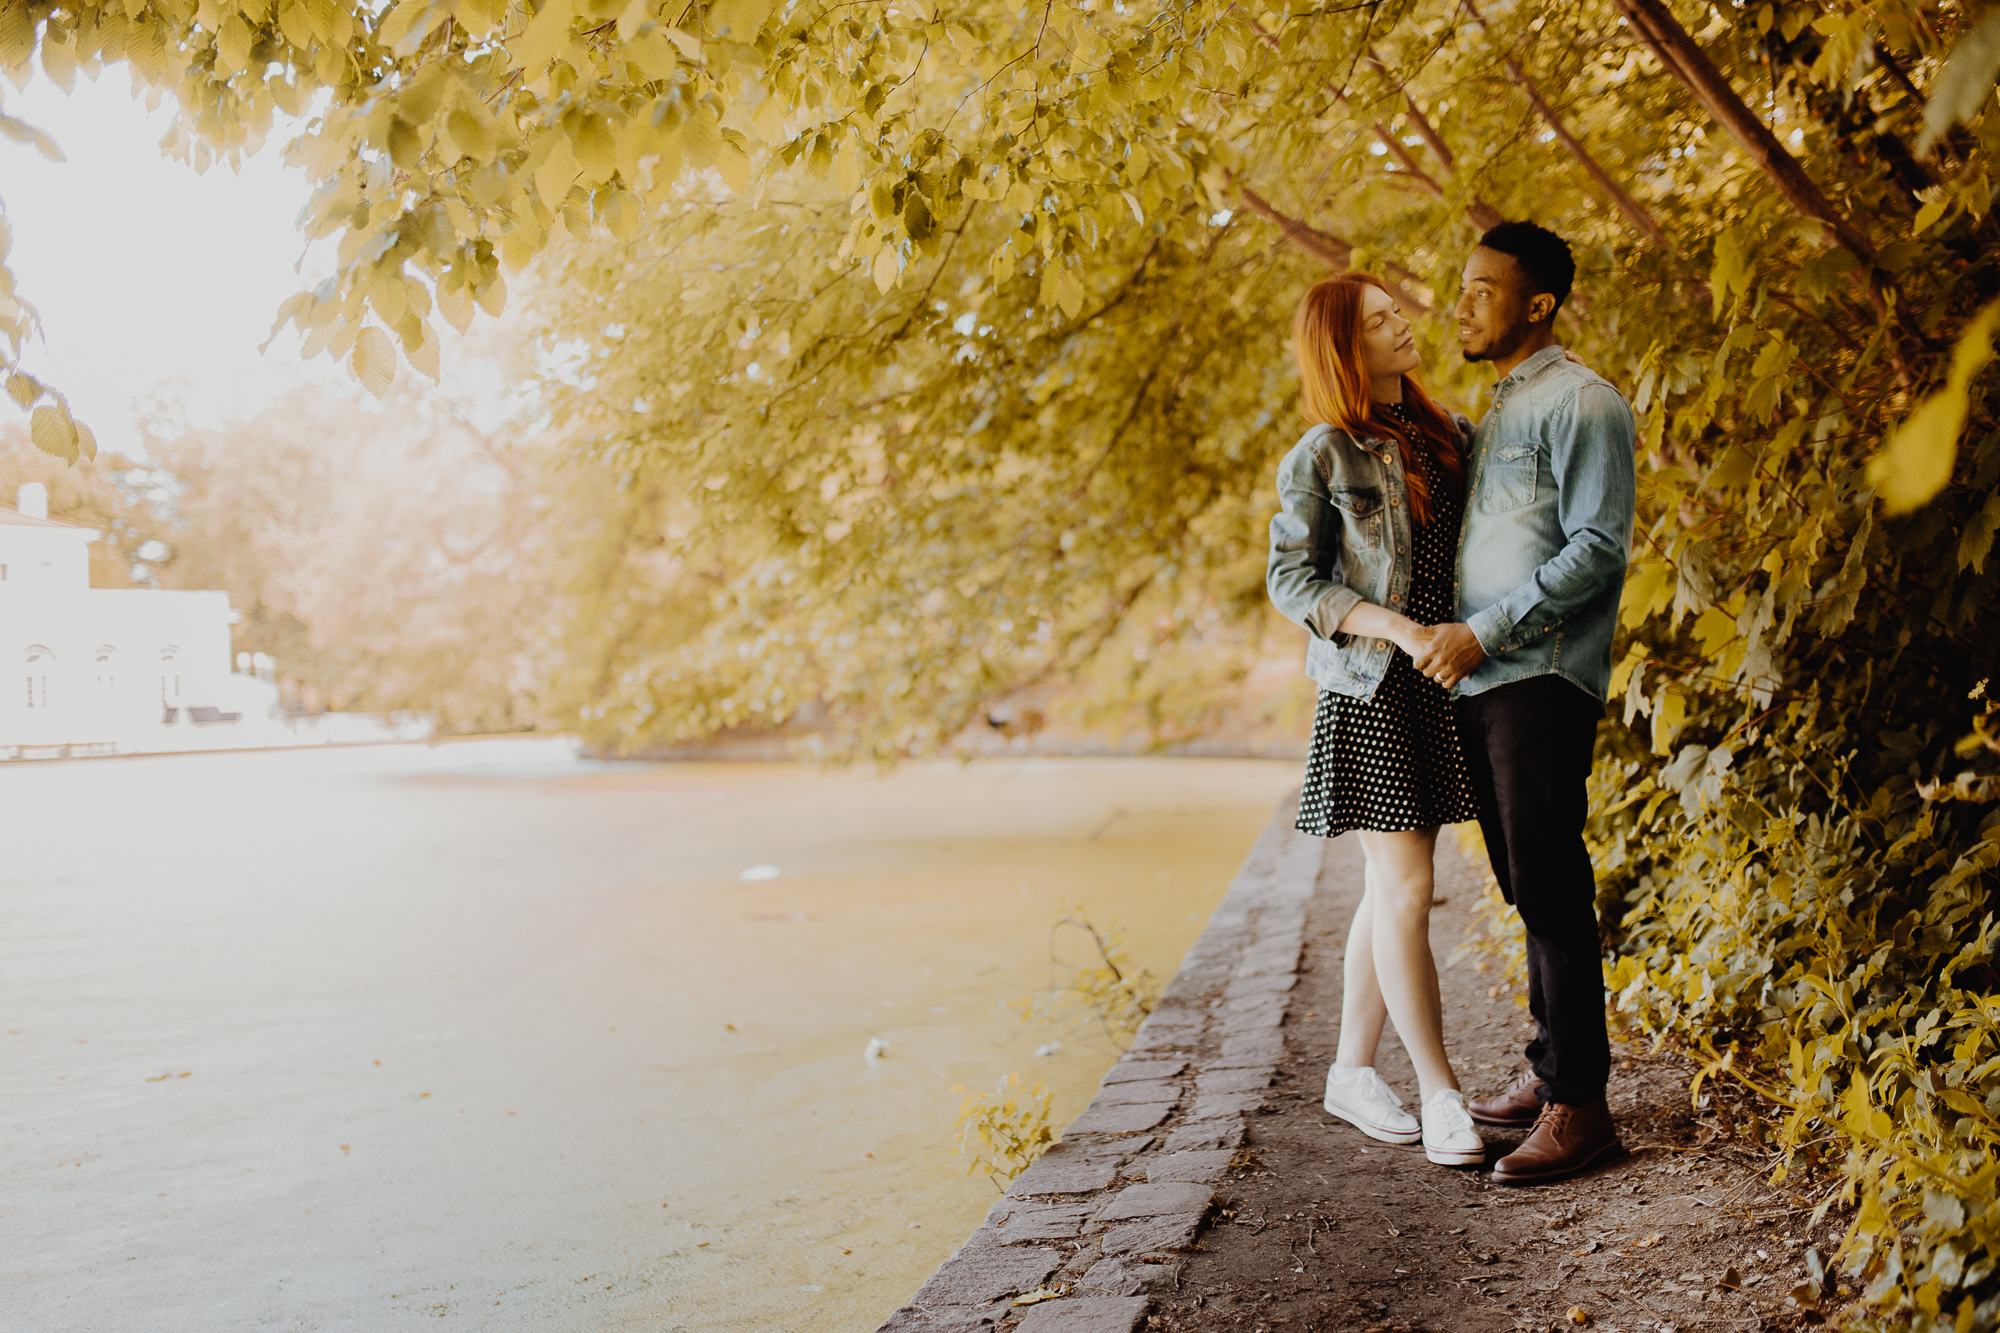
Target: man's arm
{"type": "Point", "coordinates": [1591, 455]}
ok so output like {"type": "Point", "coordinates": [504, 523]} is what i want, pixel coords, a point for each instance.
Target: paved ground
{"type": "Point", "coordinates": [1293, 1221]}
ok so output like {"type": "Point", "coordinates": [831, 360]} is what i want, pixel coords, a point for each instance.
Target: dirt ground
{"type": "Point", "coordinates": [1321, 1228]}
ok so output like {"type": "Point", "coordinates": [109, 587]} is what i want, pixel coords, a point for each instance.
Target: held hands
{"type": "Point", "coordinates": [1445, 653]}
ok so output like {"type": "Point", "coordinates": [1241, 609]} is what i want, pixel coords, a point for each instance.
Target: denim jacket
{"type": "Point", "coordinates": [1342, 535]}
{"type": "Point", "coordinates": [1548, 526]}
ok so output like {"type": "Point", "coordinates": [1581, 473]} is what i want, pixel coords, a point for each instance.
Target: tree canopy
{"type": "Point", "coordinates": [928, 351]}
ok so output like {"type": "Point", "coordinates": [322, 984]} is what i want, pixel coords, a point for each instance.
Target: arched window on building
{"type": "Point", "coordinates": [40, 660]}
{"type": "Point", "coordinates": [170, 676]}
{"type": "Point", "coordinates": [106, 658]}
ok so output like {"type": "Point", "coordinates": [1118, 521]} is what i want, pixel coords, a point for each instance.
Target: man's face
{"type": "Point", "coordinates": [1496, 311]}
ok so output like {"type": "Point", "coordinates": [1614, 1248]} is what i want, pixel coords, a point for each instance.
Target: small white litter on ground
{"type": "Point", "coordinates": [758, 872]}
{"type": "Point", "coordinates": [877, 1048]}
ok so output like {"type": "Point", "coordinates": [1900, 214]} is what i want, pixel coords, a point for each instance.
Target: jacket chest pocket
{"type": "Point", "coordinates": [1511, 473]}
{"type": "Point", "coordinates": [1358, 502]}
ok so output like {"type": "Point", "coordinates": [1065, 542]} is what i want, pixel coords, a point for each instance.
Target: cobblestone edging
{"type": "Point", "coordinates": [1110, 1211]}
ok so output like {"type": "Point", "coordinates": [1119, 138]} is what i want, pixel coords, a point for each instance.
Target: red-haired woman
{"type": "Point", "coordinates": [1362, 555]}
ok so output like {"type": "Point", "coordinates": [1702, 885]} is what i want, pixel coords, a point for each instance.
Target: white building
{"type": "Point", "coordinates": [128, 670]}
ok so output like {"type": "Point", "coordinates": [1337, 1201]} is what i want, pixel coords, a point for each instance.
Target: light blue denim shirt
{"type": "Point", "coordinates": [1548, 526]}
{"type": "Point", "coordinates": [1343, 535]}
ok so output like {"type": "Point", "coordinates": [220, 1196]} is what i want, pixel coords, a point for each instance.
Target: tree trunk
{"type": "Point", "coordinates": [1685, 60]}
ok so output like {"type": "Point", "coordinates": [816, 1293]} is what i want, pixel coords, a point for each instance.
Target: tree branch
{"type": "Point", "coordinates": [1483, 215]}
{"type": "Point", "coordinates": [1329, 249]}
{"type": "Point", "coordinates": [1683, 57]}
{"type": "Point", "coordinates": [1635, 212]}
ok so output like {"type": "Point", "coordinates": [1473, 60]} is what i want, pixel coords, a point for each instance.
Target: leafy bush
{"type": "Point", "coordinates": [1111, 989]}
{"type": "Point", "coordinates": [1825, 936]}
{"type": "Point", "coordinates": [1004, 1131]}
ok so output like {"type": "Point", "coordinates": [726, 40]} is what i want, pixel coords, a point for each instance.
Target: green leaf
{"type": "Point", "coordinates": [405, 28]}
{"type": "Point", "coordinates": [293, 23]}
{"type": "Point", "coordinates": [22, 132]}
{"type": "Point", "coordinates": [732, 163]}
{"type": "Point", "coordinates": [59, 61]}
{"type": "Point", "coordinates": [1965, 82]}
{"type": "Point", "coordinates": [470, 134]}
{"type": "Point", "coordinates": [233, 43]}
{"type": "Point", "coordinates": [545, 34]}
{"type": "Point", "coordinates": [1917, 461]}
{"type": "Point", "coordinates": [701, 138]}
{"type": "Point", "coordinates": [1977, 539]}
{"type": "Point", "coordinates": [54, 433]}
{"type": "Point", "coordinates": [374, 360]}
{"type": "Point", "coordinates": [1649, 590]}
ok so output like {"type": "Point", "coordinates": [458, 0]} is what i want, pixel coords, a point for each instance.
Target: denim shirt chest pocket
{"type": "Point", "coordinates": [1512, 472]}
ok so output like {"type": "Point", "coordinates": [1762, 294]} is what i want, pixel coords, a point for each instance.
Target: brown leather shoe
{"type": "Point", "coordinates": [1515, 1108]}
{"type": "Point", "coordinates": [1566, 1139]}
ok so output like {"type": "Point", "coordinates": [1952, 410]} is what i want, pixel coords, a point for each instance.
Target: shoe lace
{"type": "Point", "coordinates": [1448, 1114]}
{"type": "Point", "coordinates": [1554, 1115]}
{"type": "Point", "coordinates": [1374, 1088]}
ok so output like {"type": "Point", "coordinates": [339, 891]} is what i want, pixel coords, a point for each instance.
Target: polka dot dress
{"type": "Point", "coordinates": [1393, 763]}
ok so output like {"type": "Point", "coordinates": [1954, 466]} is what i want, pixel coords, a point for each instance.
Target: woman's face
{"type": "Point", "coordinates": [1387, 347]}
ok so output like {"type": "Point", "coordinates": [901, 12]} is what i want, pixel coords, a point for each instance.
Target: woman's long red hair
{"type": "Point", "coordinates": [1333, 388]}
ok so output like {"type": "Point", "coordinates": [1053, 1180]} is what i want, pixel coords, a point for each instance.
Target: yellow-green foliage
{"type": "Point", "coordinates": [1004, 1131]}
{"type": "Point", "coordinates": [1829, 942]}
{"type": "Point", "coordinates": [1112, 989]}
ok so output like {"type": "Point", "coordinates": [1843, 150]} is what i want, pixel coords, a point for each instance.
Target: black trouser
{"type": "Point", "coordinates": [1528, 745]}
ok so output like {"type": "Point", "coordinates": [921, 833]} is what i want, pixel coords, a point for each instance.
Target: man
{"type": "Point", "coordinates": [1541, 562]}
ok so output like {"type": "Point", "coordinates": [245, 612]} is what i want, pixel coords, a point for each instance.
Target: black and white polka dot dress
{"type": "Point", "coordinates": [1393, 762]}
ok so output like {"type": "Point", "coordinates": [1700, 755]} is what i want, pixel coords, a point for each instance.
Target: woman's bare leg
{"type": "Point", "coordinates": [1401, 882]}
{"type": "Point", "coordinates": [1362, 1012]}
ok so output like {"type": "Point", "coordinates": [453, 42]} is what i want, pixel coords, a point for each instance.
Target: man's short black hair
{"type": "Point", "coordinates": [1542, 255]}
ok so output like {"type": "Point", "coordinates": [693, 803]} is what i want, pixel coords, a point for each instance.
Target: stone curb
{"type": "Point", "coordinates": [1110, 1211]}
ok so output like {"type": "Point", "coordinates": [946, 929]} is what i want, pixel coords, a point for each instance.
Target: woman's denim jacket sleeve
{"type": "Point", "coordinates": [1342, 535]}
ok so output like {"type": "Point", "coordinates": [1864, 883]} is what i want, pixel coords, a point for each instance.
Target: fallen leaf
{"type": "Point", "coordinates": [1040, 1294]}
{"type": "Point", "coordinates": [1731, 1279]}
{"type": "Point", "coordinates": [1649, 1242]}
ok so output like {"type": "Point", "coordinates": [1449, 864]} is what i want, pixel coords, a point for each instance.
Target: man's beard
{"type": "Point", "coordinates": [1499, 347]}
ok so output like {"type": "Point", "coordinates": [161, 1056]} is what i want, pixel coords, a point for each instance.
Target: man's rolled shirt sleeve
{"type": "Point", "coordinates": [1591, 444]}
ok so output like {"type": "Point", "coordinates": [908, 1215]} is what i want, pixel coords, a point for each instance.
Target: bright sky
{"type": "Point", "coordinates": [145, 272]}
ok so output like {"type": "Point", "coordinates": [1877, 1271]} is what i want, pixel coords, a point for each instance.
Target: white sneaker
{"type": "Point", "coordinates": [1358, 1095]}
{"type": "Point", "coordinates": [1449, 1138]}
